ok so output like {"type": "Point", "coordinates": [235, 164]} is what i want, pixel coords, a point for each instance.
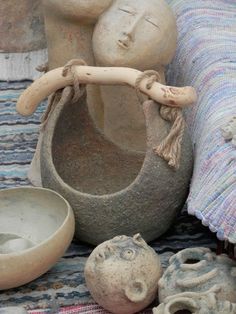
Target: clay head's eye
{"type": "Point", "coordinates": [128, 254]}
{"type": "Point", "coordinates": [152, 21]}
{"type": "Point", "coordinates": [127, 10]}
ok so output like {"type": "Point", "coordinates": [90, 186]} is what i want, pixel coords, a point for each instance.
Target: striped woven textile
{"type": "Point", "coordinates": [206, 59]}
{"type": "Point", "coordinates": [64, 284]}
{"type": "Point", "coordinates": [18, 136]}
{"type": "Point", "coordinates": [81, 309]}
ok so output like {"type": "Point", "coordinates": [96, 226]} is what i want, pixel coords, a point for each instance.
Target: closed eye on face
{"type": "Point", "coordinates": [130, 11]}
{"type": "Point", "coordinates": [127, 9]}
{"type": "Point", "coordinates": [152, 21]}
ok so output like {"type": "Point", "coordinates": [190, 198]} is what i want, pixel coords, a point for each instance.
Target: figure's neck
{"type": "Point", "coordinates": [67, 40]}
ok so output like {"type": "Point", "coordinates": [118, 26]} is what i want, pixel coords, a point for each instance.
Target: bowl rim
{"type": "Point", "coordinates": [70, 214]}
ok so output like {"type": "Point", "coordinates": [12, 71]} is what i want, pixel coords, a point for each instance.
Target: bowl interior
{"type": "Point", "coordinates": [85, 159]}
{"type": "Point", "coordinates": [28, 216]}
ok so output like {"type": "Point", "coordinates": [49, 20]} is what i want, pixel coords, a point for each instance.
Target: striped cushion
{"type": "Point", "coordinates": [206, 59]}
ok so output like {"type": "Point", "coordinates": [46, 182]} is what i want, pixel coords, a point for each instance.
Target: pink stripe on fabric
{"type": "Point", "coordinates": [81, 309]}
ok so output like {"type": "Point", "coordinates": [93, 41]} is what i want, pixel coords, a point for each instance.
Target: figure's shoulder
{"type": "Point", "coordinates": [87, 11]}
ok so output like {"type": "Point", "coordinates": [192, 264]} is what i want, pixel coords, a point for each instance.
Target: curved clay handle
{"type": "Point", "coordinates": [174, 304]}
{"type": "Point", "coordinates": [198, 253]}
{"type": "Point", "coordinates": [53, 80]}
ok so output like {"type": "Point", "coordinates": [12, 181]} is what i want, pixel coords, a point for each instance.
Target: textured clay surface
{"type": "Point", "coordinates": [112, 191]}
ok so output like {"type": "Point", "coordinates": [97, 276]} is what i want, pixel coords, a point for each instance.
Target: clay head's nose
{"type": "Point", "coordinates": [128, 36]}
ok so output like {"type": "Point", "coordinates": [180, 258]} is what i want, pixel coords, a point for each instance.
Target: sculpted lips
{"type": "Point", "coordinates": [124, 43]}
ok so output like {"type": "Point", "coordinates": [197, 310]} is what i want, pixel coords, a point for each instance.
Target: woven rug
{"type": "Point", "coordinates": [64, 284]}
{"type": "Point", "coordinates": [80, 309]}
{"type": "Point", "coordinates": [206, 59]}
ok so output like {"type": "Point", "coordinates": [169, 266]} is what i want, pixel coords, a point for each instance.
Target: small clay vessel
{"type": "Point", "coordinates": [122, 274]}
{"type": "Point", "coordinates": [195, 303]}
{"type": "Point", "coordinates": [198, 270]}
{"type": "Point", "coordinates": [37, 226]}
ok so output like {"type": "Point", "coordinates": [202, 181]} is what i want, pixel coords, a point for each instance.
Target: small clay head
{"type": "Point", "coordinates": [122, 274]}
{"type": "Point", "coordinates": [139, 34]}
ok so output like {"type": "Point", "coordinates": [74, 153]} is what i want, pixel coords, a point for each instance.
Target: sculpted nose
{"type": "Point", "coordinates": [131, 29]}
{"type": "Point", "coordinates": [128, 34]}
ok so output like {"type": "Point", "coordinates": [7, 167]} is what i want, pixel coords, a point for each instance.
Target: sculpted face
{"type": "Point", "coordinates": [123, 271]}
{"type": "Point", "coordinates": [139, 34]}
{"type": "Point", "coordinates": [122, 249]}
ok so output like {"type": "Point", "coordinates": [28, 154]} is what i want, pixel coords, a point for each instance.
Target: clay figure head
{"type": "Point", "coordinates": [122, 274]}
{"type": "Point", "coordinates": [139, 34]}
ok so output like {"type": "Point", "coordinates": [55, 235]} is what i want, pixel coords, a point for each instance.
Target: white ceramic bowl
{"type": "Point", "coordinates": [36, 228]}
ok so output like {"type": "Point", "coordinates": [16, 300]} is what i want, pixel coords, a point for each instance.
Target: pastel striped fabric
{"type": "Point", "coordinates": [206, 59]}
{"type": "Point", "coordinates": [81, 309]}
{"type": "Point", "coordinates": [18, 136]}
